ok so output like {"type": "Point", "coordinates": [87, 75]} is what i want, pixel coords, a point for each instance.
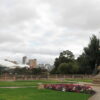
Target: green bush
{"type": "Point", "coordinates": [68, 68]}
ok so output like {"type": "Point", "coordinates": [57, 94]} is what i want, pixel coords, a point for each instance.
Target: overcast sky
{"type": "Point", "coordinates": [41, 29]}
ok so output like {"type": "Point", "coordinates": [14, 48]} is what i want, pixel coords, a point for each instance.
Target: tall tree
{"type": "Point", "coordinates": [64, 57]}
{"type": "Point", "coordinates": [84, 67]}
{"type": "Point", "coordinates": [91, 54]}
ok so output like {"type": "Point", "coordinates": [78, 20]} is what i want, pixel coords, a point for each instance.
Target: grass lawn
{"type": "Point", "coordinates": [26, 83]}
{"type": "Point", "coordinates": [80, 80]}
{"type": "Point", "coordinates": [35, 94]}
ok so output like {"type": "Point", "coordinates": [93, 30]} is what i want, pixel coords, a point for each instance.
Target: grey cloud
{"type": "Point", "coordinates": [80, 14]}
{"type": "Point", "coordinates": [16, 11]}
{"type": "Point", "coordinates": [28, 50]}
{"type": "Point", "coordinates": [43, 28]}
{"type": "Point", "coordinates": [11, 38]}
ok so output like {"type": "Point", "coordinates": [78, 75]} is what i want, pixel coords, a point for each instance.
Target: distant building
{"type": "Point", "coordinates": [41, 66]}
{"type": "Point", "coordinates": [24, 60]}
{"type": "Point", "coordinates": [45, 66]}
{"type": "Point", "coordinates": [32, 63]}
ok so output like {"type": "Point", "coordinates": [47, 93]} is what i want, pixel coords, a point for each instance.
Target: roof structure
{"type": "Point", "coordinates": [11, 65]}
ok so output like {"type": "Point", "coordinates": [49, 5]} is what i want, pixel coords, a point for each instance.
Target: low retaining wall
{"type": "Point", "coordinates": [38, 77]}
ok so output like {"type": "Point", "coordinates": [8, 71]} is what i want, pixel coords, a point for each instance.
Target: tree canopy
{"type": "Point", "coordinates": [68, 68]}
{"type": "Point", "coordinates": [64, 57]}
{"type": "Point", "coordinates": [90, 58]}
{"type": "Point", "coordinates": [87, 61]}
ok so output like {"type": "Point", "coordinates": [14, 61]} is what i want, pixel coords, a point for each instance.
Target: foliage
{"type": "Point", "coordinates": [90, 58]}
{"type": "Point", "coordinates": [68, 68]}
{"type": "Point", "coordinates": [22, 71]}
{"type": "Point", "coordinates": [84, 67]}
{"type": "Point", "coordinates": [87, 61]}
{"type": "Point", "coordinates": [64, 57]}
{"type": "Point", "coordinates": [1, 70]}
{"type": "Point", "coordinates": [4, 69]}
{"type": "Point", "coordinates": [68, 54]}
{"type": "Point", "coordinates": [38, 71]}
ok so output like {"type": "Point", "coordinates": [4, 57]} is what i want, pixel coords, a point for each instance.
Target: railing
{"type": "Point", "coordinates": [39, 77]}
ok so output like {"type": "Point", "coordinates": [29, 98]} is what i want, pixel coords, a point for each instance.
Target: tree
{"type": "Point", "coordinates": [64, 57]}
{"type": "Point", "coordinates": [36, 71]}
{"type": "Point", "coordinates": [1, 70]}
{"type": "Point", "coordinates": [21, 71]}
{"type": "Point", "coordinates": [67, 54]}
{"type": "Point", "coordinates": [4, 69]}
{"type": "Point", "coordinates": [68, 68]}
{"type": "Point", "coordinates": [90, 58]}
{"type": "Point", "coordinates": [84, 67]}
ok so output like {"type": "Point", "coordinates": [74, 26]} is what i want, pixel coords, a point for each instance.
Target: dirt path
{"type": "Point", "coordinates": [97, 95]}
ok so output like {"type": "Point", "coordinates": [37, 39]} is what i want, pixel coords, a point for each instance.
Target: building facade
{"type": "Point", "coordinates": [24, 60]}
{"type": "Point", "coordinates": [32, 63]}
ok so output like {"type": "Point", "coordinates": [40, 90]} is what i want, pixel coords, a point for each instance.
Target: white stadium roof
{"type": "Point", "coordinates": [11, 65]}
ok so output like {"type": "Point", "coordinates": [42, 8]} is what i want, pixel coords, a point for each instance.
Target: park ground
{"type": "Point", "coordinates": [27, 90]}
